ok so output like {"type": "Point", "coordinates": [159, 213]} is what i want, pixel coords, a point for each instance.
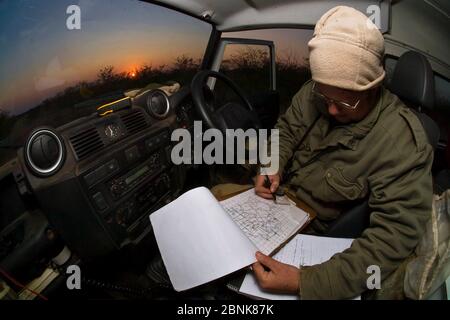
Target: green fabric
{"type": "Point", "coordinates": [386, 158]}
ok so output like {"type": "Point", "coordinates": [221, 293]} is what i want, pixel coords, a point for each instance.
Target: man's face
{"type": "Point", "coordinates": [340, 102]}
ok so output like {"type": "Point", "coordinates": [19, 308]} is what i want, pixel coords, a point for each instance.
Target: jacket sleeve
{"type": "Point", "coordinates": [400, 203]}
{"type": "Point", "coordinates": [294, 123]}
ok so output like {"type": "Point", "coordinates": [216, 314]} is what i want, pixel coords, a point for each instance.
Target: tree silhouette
{"type": "Point", "coordinates": [106, 74]}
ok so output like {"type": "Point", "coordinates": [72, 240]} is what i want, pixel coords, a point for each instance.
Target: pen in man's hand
{"type": "Point", "coordinates": [268, 185]}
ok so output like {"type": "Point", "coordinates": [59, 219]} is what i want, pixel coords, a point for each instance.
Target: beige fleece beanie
{"type": "Point", "coordinates": [347, 50]}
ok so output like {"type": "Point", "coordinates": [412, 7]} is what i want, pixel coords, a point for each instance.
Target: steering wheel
{"type": "Point", "coordinates": [231, 115]}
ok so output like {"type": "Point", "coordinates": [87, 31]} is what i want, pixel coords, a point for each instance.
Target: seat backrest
{"type": "Point", "coordinates": [431, 128]}
{"type": "Point", "coordinates": [413, 83]}
{"type": "Point", "coordinates": [352, 223]}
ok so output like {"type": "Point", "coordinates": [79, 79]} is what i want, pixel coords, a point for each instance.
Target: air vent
{"type": "Point", "coordinates": [86, 142]}
{"type": "Point", "coordinates": [158, 104]}
{"type": "Point", "coordinates": [134, 122]}
{"type": "Point", "coordinates": [44, 152]}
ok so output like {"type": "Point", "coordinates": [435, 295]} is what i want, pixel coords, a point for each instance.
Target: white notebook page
{"type": "Point", "coordinates": [198, 240]}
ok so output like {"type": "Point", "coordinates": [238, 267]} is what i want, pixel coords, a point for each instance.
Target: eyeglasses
{"type": "Point", "coordinates": [340, 104]}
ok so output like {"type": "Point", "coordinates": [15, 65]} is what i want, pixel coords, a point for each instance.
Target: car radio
{"type": "Point", "coordinates": [134, 181]}
{"type": "Point", "coordinates": [121, 185]}
{"type": "Point", "coordinates": [128, 214]}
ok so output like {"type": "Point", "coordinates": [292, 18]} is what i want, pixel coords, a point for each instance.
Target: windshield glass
{"type": "Point", "coordinates": [60, 61]}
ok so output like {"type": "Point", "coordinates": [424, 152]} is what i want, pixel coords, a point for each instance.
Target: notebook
{"type": "Point", "coordinates": [202, 239]}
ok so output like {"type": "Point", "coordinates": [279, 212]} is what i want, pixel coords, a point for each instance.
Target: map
{"type": "Point", "coordinates": [265, 223]}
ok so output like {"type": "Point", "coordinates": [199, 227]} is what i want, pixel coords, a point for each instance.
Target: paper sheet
{"type": "Point", "coordinates": [265, 223]}
{"type": "Point", "coordinates": [302, 250]}
{"type": "Point", "coordinates": [198, 240]}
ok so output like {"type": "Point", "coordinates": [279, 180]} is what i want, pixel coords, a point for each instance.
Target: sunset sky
{"type": "Point", "coordinates": [40, 56]}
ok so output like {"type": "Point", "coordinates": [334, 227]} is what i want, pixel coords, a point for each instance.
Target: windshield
{"type": "Point", "coordinates": [60, 61]}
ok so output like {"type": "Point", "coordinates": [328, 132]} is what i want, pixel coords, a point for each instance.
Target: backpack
{"type": "Point", "coordinates": [431, 266]}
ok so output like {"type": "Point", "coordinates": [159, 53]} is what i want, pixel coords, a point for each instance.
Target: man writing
{"type": "Point", "coordinates": [345, 138]}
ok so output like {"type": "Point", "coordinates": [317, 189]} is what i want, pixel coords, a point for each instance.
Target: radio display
{"type": "Point", "coordinates": [136, 175]}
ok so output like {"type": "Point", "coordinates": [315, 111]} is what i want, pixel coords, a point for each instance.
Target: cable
{"type": "Point", "coordinates": [17, 283]}
{"type": "Point", "coordinates": [123, 289]}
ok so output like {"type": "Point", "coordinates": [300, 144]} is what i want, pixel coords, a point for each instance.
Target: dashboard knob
{"type": "Point", "coordinates": [115, 188]}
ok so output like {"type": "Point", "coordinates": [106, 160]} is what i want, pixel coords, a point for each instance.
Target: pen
{"type": "Point", "coordinates": [268, 183]}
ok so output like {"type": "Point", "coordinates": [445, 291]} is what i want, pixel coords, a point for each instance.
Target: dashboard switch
{"type": "Point", "coordinates": [99, 201]}
{"type": "Point", "coordinates": [112, 166]}
{"type": "Point", "coordinates": [132, 154]}
{"type": "Point", "coordinates": [101, 172]}
{"type": "Point", "coordinates": [91, 179]}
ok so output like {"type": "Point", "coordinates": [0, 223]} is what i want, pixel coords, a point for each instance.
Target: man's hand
{"type": "Point", "coordinates": [264, 192]}
{"type": "Point", "coordinates": [279, 277]}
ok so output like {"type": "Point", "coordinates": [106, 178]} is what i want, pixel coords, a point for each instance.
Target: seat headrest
{"type": "Point", "coordinates": [413, 80]}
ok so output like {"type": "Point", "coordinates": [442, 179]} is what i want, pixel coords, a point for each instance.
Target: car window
{"type": "Point", "coordinates": [59, 62]}
{"type": "Point", "coordinates": [248, 66]}
{"type": "Point", "coordinates": [291, 56]}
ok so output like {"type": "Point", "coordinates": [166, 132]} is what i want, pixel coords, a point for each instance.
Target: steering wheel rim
{"type": "Point", "coordinates": [199, 100]}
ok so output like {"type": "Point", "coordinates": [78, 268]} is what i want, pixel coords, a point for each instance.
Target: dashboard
{"type": "Point", "coordinates": [98, 178]}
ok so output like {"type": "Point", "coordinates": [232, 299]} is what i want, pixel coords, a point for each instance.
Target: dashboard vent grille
{"type": "Point", "coordinates": [86, 142]}
{"type": "Point", "coordinates": [134, 122]}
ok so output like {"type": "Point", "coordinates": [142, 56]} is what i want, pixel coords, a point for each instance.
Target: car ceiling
{"type": "Point", "coordinates": [233, 15]}
{"type": "Point", "coordinates": [410, 26]}
{"type": "Point", "coordinates": [441, 6]}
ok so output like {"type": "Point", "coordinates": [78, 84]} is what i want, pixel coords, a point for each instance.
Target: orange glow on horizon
{"type": "Point", "coordinates": [132, 71]}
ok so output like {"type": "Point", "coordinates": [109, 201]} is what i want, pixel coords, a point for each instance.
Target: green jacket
{"type": "Point", "coordinates": [385, 158]}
